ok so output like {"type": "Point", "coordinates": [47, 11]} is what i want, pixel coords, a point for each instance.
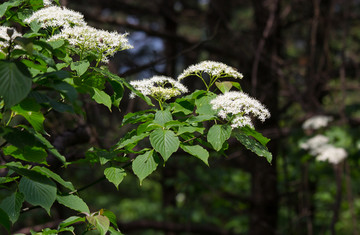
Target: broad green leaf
{"type": "Point", "coordinates": [47, 172]}
{"type": "Point", "coordinates": [162, 117]}
{"type": "Point", "coordinates": [201, 118]}
{"type": "Point", "coordinates": [118, 93]}
{"type": "Point", "coordinates": [111, 216]}
{"type": "Point", "coordinates": [124, 83]}
{"type": "Point", "coordinates": [49, 147]}
{"type": "Point", "coordinates": [217, 135]}
{"type": "Point", "coordinates": [113, 231]}
{"type": "Point", "coordinates": [115, 175]}
{"type": "Point", "coordinates": [236, 85]}
{"type": "Point", "coordinates": [190, 129]}
{"type": "Point", "coordinates": [101, 223]}
{"type": "Point", "coordinates": [9, 4]}
{"type": "Point", "coordinates": [12, 205]}
{"type": "Point", "coordinates": [130, 140]}
{"type": "Point", "coordinates": [258, 136]}
{"type": "Point", "coordinates": [183, 106]}
{"type": "Point", "coordinates": [73, 202]}
{"type": "Point", "coordinates": [141, 116]}
{"type": "Point", "coordinates": [71, 220]}
{"type": "Point", "coordinates": [203, 106]}
{"type": "Point", "coordinates": [144, 165]}
{"type": "Point", "coordinates": [5, 220]}
{"type": "Point", "coordinates": [197, 151]}
{"type": "Point", "coordinates": [15, 82]}
{"type": "Point", "coordinates": [146, 127]}
{"type": "Point", "coordinates": [224, 86]}
{"type": "Point", "coordinates": [66, 89]}
{"type": "Point", "coordinates": [80, 67]}
{"type": "Point", "coordinates": [165, 142]}
{"type": "Point", "coordinates": [38, 191]}
{"type": "Point", "coordinates": [27, 153]}
{"type": "Point", "coordinates": [254, 146]}
{"type": "Point", "coordinates": [30, 110]}
{"type": "Point", "coordinates": [101, 97]}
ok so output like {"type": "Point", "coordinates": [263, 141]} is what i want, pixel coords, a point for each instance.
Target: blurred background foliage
{"type": "Point", "coordinates": [300, 58]}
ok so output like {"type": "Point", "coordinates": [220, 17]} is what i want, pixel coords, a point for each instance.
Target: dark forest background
{"type": "Point", "coordinates": [300, 58]}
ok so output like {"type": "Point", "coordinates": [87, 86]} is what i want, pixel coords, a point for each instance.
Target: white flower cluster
{"type": "Point", "coordinates": [212, 68]}
{"type": "Point", "coordinates": [47, 2]}
{"type": "Point", "coordinates": [159, 87]}
{"type": "Point", "coordinates": [316, 122]}
{"type": "Point", "coordinates": [55, 16]}
{"type": "Point", "coordinates": [7, 33]}
{"type": "Point", "coordinates": [89, 38]}
{"type": "Point", "coordinates": [239, 107]}
{"type": "Point", "coordinates": [320, 147]}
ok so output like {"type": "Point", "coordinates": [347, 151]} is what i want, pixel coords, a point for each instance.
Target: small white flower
{"type": "Point", "coordinates": [4, 34]}
{"type": "Point", "coordinates": [319, 147]}
{"type": "Point", "coordinates": [315, 143]}
{"type": "Point", "coordinates": [332, 154]}
{"type": "Point", "coordinates": [159, 87]}
{"type": "Point", "coordinates": [88, 38]}
{"type": "Point", "coordinates": [47, 2]}
{"type": "Point", "coordinates": [55, 16]}
{"type": "Point", "coordinates": [212, 68]}
{"type": "Point", "coordinates": [316, 122]}
{"type": "Point", "coordinates": [240, 107]}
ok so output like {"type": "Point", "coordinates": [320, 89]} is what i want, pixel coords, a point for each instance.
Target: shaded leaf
{"type": "Point", "coordinates": [115, 175]}
{"type": "Point", "coordinates": [165, 142]}
{"type": "Point", "coordinates": [144, 165]}
{"type": "Point", "coordinates": [197, 151]}
{"type": "Point", "coordinates": [218, 134]}
{"type": "Point", "coordinates": [15, 82]}
{"type": "Point", "coordinates": [73, 202]}
{"type": "Point", "coordinates": [12, 205]}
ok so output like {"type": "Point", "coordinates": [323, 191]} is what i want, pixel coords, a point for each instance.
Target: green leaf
{"type": "Point", "coordinates": [73, 202]}
{"type": "Point", "coordinates": [27, 153]}
{"type": "Point", "coordinates": [217, 135]}
{"type": "Point", "coordinates": [124, 83]}
{"type": "Point", "coordinates": [38, 191]}
{"type": "Point", "coordinates": [113, 231]}
{"type": "Point", "coordinates": [224, 86]}
{"type": "Point", "coordinates": [9, 4]}
{"type": "Point", "coordinates": [49, 147]}
{"type": "Point", "coordinates": [15, 82]}
{"type": "Point", "coordinates": [165, 142]}
{"type": "Point", "coordinates": [101, 98]}
{"type": "Point", "coordinates": [141, 116]}
{"type": "Point", "coordinates": [4, 220]}
{"type": "Point", "coordinates": [115, 175]}
{"type": "Point", "coordinates": [47, 172]}
{"type": "Point", "coordinates": [12, 205]}
{"type": "Point", "coordinates": [197, 151]}
{"type": "Point", "coordinates": [111, 216]}
{"type": "Point", "coordinates": [201, 118]}
{"type": "Point", "coordinates": [254, 146]}
{"type": "Point", "coordinates": [203, 106]}
{"type": "Point", "coordinates": [258, 136]}
{"type": "Point", "coordinates": [118, 93]}
{"type": "Point", "coordinates": [183, 106]}
{"type": "Point", "coordinates": [162, 117]}
{"type": "Point", "coordinates": [144, 165]}
{"type": "Point", "coordinates": [80, 67]}
{"type": "Point", "coordinates": [101, 223]}
{"type": "Point", "coordinates": [66, 89]}
{"type": "Point", "coordinates": [190, 129]}
{"type": "Point", "coordinates": [131, 140]}
{"type": "Point", "coordinates": [71, 220]}
{"type": "Point", "coordinates": [30, 110]}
